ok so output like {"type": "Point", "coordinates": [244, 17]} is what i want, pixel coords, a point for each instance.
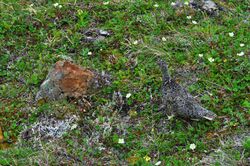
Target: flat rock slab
{"type": "Point", "coordinates": [67, 79]}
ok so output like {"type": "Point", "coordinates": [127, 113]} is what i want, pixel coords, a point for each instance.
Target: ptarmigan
{"type": "Point", "coordinates": [176, 99]}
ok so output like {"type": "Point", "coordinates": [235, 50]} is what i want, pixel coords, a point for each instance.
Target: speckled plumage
{"type": "Point", "coordinates": [176, 99]}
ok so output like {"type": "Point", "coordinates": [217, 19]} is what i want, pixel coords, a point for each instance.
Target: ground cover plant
{"type": "Point", "coordinates": [209, 55]}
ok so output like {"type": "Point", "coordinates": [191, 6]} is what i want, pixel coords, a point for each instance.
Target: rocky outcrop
{"type": "Point", "coordinates": [207, 6]}
{"type": "Point", "coordinates": [67, 79]}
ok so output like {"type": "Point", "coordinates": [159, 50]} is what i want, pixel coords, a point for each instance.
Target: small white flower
{"type": "Point", "coordinates": [241, 53]}
{"type": "Point", "coordinates": [200, 55]}
{"type": "Point", "coordinates": [186, 3]}
{"type": "Point", "coordinates": [74, 126]}
{"type": "Point", "coordinates": [89, 53]}
{"type": "Point", "coordinates": [170, 117]}
{"type": "Point", "coordinates": [106, 3]}
{"type": "Point", "coordinates": [55, 4]}
{"type": "Point", "coordinates": [156, 5]}
{"type": "Point", "coordinates": [121, 141]}
{"type": "Point", "coordinates": [101, 148]}
{"type": "Point", "coordinates": [189, 17]}
{"type": "Point", "coordinates": [192, 146]}
{"type": "Point", "coordinates": [242, 44]}
{"type": "Point", "coordinates": [173, 3]}
{"type": "Point", "coordinates": [194, 22]}
{"type": "Point", "coordinates": [135, 42]}
{"type": "Point", "coordinates": [128, 95]}
{"type": "Point", "coordinates": [158, 163]}
{"type": "Point", "coordinates": [211, 59]}
{"type": "Point", "coordinates": [31, 5]}
{"type": "Point", "coordinates": [231, 34]}
{"type": "Point", "coordinates": [163, 39]}
{"type": "Point", "coordinates": [60, 6]}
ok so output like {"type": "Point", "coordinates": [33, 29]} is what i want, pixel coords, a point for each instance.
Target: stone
{"type": "Point", "coordinates": [94, 34]}
{"type": "Point", "coordinates": [67, 79]}
{"type": "Point", "coordinates": [207, 6]}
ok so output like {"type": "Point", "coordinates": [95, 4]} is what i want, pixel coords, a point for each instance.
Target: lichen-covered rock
{"type": "Point", "coordinates": [67, 79]}
{"type": "Point", "coordinates": [49, 128]}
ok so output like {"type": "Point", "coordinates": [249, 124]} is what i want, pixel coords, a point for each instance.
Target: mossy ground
{"type": "Point", "coordinates": [35, 34]}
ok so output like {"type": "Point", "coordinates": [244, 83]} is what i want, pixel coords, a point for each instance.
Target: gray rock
{"type": "Point", "coordinates": [92, 35]}
{"type": "Point", "coordinates": [208, 6]}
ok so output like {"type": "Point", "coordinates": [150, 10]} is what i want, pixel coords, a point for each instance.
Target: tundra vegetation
{"type": "Point", "coordinates": [120, 124]}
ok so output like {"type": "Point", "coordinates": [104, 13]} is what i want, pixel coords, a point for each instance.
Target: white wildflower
{"type": "Point", "coordinates": [173, 3]}
{"type": "Point", "coordinates": [186, 3]}
{"type": "Point", "coordinates": [192, 146]}
{"type": "Point", "coordinates": [231, 34]}
{"type": "Point", "coordinates": [200, 55]}
{"type": "Point", "coordinates": [158, 163]}
{"type": "Point", "coordinates": [60, 6]}
{"type": "Point", "coordinates": [242, 44]}
{"type": "Point", "coordinates": [156, 5]}
{"type": "Point", "coordinates": [101, 148]}
{"type": "Point", "coordinates": [163, 39]}
{"type": "Point", "coordinates": [74, 126]}
{"type": "Point", "coordinates": [135, 42]}
{"type": "Point", "coordinates": [189, 17]}
{"type": "Point", "coordinates": [89, 53]}
{"type": "Point", "coordinates": [194, 22]}
{"type": "Point", "coordinates": [55, 4]}
{"type": "Point", "coordinates": [121, 141]}
{"type": "Point", "coordinates": [241, 53]}
{"type": "Point", "coordinates": [106, 3]}
{"type": "Point", "coordinates": [211, 59]}
{"type": "Point", "coordinates": [128, 95]}
{"type": "Point", "coordinates": [170, 117]}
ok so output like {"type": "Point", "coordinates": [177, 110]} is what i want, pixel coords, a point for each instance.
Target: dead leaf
{"type": "Point", "coordinates": [132, 160]}
{"type": "Point", "coordinates": [1, 135]}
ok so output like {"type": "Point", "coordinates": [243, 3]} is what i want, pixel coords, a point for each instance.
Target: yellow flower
{"type": "Point", "coordinates": [147, 158]}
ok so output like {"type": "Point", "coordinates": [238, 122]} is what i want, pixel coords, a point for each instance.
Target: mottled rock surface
{"type": "Point", "coordinates": [67, 79]}
{"type": "Point", "coordinates": [208, 6]}
{"type": "Point", "coordinates": [92, 35]}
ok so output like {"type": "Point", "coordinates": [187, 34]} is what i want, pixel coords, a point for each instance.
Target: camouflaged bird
{"type": "Point", "coordinates": [176, 99]}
